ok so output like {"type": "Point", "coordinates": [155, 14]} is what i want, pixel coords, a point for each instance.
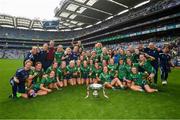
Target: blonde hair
{"type": "Point", "coordinates": [34, 47]}
{"type": "Point", "coordinates": [28, 61]}
{"type": "Point", "coordinates": [72, 61]}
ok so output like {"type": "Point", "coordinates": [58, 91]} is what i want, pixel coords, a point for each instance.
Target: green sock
{"type": "Point", "coordinates": [18, 95]}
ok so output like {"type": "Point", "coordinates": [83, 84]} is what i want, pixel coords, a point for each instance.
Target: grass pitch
{"type": "Point", "coordinates": [70, 102]}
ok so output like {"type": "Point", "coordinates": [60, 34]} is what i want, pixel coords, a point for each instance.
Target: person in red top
{"type": "Point", "coordinates": [50, 53]}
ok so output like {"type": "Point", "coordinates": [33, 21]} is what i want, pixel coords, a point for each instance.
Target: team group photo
{"type": "Point", "coordinates": [89, 59]}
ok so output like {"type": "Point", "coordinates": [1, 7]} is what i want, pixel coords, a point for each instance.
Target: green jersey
{"type": "Point", "coordinates": [129, 56]}
{"type": "Point", "coordinates": [95, 58]}
{"type": "Point", "coordinates": [38, 75]}
{"type": "Point", "coordinates": [147, 67]}
{"type": "Point", "coordinates": [138, 79]}
{"type": "Point", "coordinates": [105, 57]}
{"type": "Point", "coordinates": [123, 56]}
{"type": "Point", "coordinates": [112, 69]}
{"type": "Point", "coordinates": [85, 58]}
{"type": "Point", "coordinates": [85, 71]}
{"type": "Point", "coordinates": [91, 67]}
{"type": "Point", "coordinates": [135, 58]}
{"type": "Point", "coordinates": [59, 74]}
{"type": "Point", "coordinates": [45, 81]}
{"type": "Point", "coordinates": [100, 64]}
{"type": "Point", "coordinates": [78, 69]}
{"type": "Point", "coordinates": [64, 71]}
{"type": "Point", "coordinates": [50, 69]}
{"type": "Point", "coordinates": [58, 56]}
{"type": "Point", "coordinates": [122, 73]}
{"type": "Point", "coordinates": [96, 72]}
{"type": "Point", "coordinates": [98, 51]}
{"type": "Point", "coordinates": [71, 71]}
{"type": "Point", "coordinates": [128, 70]}
{"type": "Point", "coordinates": [105, 77]}
{"type": "Point", "coordinates": [81, 47]}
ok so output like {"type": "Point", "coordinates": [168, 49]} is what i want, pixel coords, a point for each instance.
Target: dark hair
{"type": "Point", "coordinates": [37, 63]}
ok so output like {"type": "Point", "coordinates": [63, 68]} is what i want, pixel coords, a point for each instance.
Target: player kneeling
{"type": "Point", "coordinates": [18, 81]}
{"type": "Point", "coordinates": [138, 83]}
{"type": "Point", "coordinates": [85, 73]}
{"type": "Point", "coordinates": [105, 78]}
{"type": "Point", "coordinates": [71, 72]}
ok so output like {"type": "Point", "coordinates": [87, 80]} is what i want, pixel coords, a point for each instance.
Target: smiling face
{"type": "Point", "coordinates": [55, 65]}
{"type": "Point", "coordinates": [115, 52]}
{"type": "Point", "coordinates": [105, 69]}
{"type": "Point", "coordinates": [121, 61]}
{"type": "Point", "coordinates": [91, 62]}
{"type": "Point", "coordinates": [60, 48]}
{"type": "Point", "coordinates": [137, 51]}
{"type": "Point", "coordinates": [165, 49]}
{"type": "Point", "coordinates": [121, 52]}
{"type": "Point", "coordinates": [111, 61]}
{"type": "Point", "coordinates": [128, 53]}
{"type": "Point", "coordinates": [34, 50]}
{"type": "Point", "coordinates": [128, 60]}
{"type": "Point", "coordinates": [76, 48]}
{"type": "Point", "coordinates": [79, 42]}
{"type": "Point", "coordinates": [52, 74]}
{"type": "Point", "coordinates": [104, 63]}
{"type": "Point", "coordinates": [85, 63]}
{"type": "Point", "coordinates": [38, 66]}
{"type": "Point", "coordinates": [104, 50]}
{"type": "Point", "coordinates": [142, 57]}
{"type": "Point", "coordinates": [68, 50]}
{"type": "Point", "coordinates": [78, 62]}
{"type": "Point", "coordinates": [134, 70]}
{"type": "Point", "coordinates": [51, 44]}
{"type": "Point", "coordinates": [151, 46]}
{"type": "Point", "coordinates": [96, 65]}
{"type": "Point", "coordinates": [28, 65]}
{"type": "Point", "coordinates": [45, 47]}
{"type": "Point", "coordinates": [93, 53]}
{"type": "Point", "coordinates": [63, 64]}
{"type": "Point", "coordinates": [71, 63]}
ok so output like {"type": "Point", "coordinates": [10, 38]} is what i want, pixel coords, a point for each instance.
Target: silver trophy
{"type": "Point", "coordinates": [96, 88]}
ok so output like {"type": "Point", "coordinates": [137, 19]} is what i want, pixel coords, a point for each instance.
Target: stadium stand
{"type": "Point", "coordinates": [123, 21]}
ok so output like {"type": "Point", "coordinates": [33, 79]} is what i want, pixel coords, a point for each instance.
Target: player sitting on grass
{"type": "Point", "coordinates": [45, 86]}
{"type": "Point", "coordinates": [105, 78]}
{"type": "Point", "coordinates": [122, 73]}
{"type": "Point", "coordinates": [138, 81]}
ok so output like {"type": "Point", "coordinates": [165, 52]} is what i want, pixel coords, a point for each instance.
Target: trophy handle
{"type": "Point", "coordinates": [104, 93]}
{"type": "Point", "coordinates": [87, 93]}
